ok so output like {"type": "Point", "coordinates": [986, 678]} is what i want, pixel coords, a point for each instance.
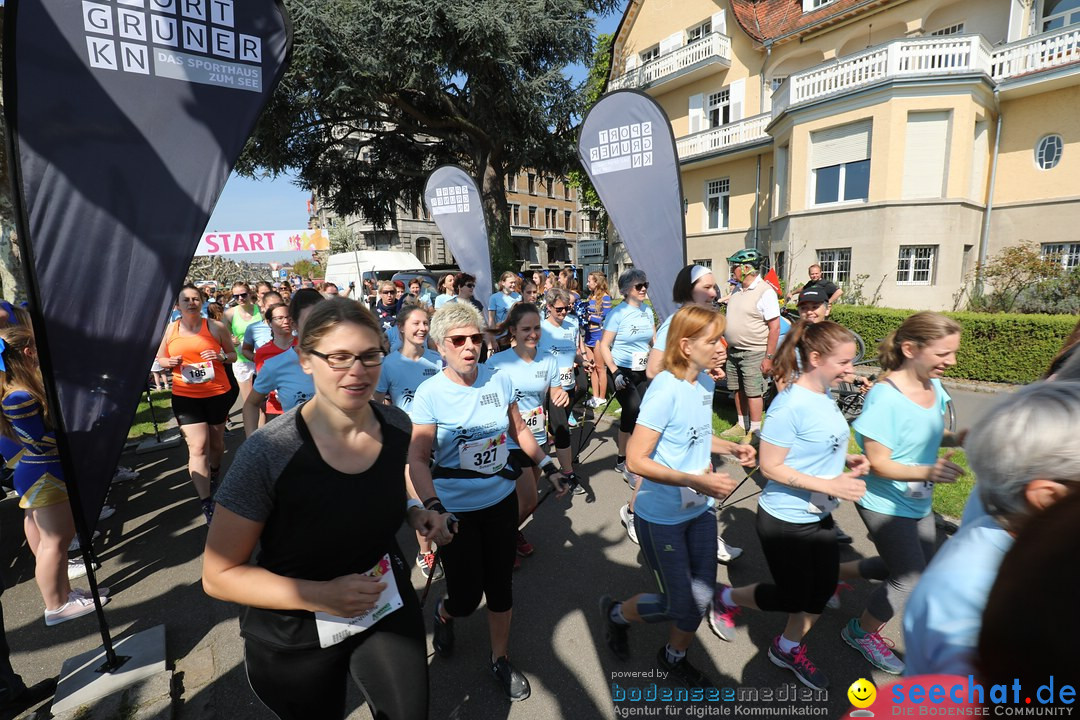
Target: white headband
{"type": "Point", "coordinates": [697, 272]}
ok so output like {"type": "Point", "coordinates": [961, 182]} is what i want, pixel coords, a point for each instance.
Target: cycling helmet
{"type": "Point", "coordinates": [747, 256]}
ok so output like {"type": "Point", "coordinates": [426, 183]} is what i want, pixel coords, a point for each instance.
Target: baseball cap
{"type": "Point", "coordinates": [813, 294]}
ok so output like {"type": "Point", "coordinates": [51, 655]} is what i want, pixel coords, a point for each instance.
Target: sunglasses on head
{"type": "Point", "coordinates": [641, 286]}
{"type": "Point", "coordinates": [459, 340]}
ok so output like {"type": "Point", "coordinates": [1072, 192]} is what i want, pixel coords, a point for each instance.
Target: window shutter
{"type": "Point", "coordinates": [631, 61]}
{"type": "Point", "coordinates": [925, 150]}
{"type": "Point", "coordinates": [719, 22]}
{"type": "Point", "coordinates": [844, 144]}
{"type": "Point", "coordinates": [672, 42]}
{"type": "Point", "coordinates": [738, 99]}
{"type": "Point", "coordinates": [697, 112]}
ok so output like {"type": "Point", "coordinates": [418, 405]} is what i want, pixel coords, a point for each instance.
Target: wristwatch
{"type": "Point", "coordinates": [768, 356]}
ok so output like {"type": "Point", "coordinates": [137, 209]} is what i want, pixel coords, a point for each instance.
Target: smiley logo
{"type": "Point", "coordinates": [862, 693]}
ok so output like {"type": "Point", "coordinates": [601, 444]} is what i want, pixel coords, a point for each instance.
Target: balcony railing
{"type": "Point", "coordinates": [721, 138]}
{"type": "Point", "coordinates": [712, 46]}
{"type": "Point", "coordinates": [1041, 52]}
{"type": "Point", "coordinates": [554, 233]}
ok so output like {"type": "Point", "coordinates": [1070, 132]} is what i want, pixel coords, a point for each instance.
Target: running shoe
{"type": "Point", "coordinates": [594, 402]}
{"type": "Point", "coordinates": [615, 635]}
{"type": "Point", "coordinates": [876, 649]}
{"type": "Point", "coordinates": [524, 547]}
{"type": "Point", "coordinates": [571, 420]}
{"type": "Point", "coordinates": [575, 484]}
{"type": "Point", "coordinates": [726, 553]}
{"type": "Point", "coordinates": [842, 537]}
{"type": "Point", "coordinates": [73, 608]}
{"type": "Point", "coordinates": [513, 683]}
{"type": "Point", "coordinates": [627, 518]}
{"type": "Point", "coordinates": [797, 662]}
{"type": "Point", "coordinates": [443, 636]}
{"type": "Point", "coordinates": [426, 563]}
{"type": "Point", "coordinates": [834, 602]}
{"type": "Point", "coordinates": [103, 590]}
{"type": "Point", "coordinates": [734, 433]}
{"type": "Point", "coordinates": [721, 617]}
{"type": "Point", "coordinates": [682, 672]}
{"type": "Point", "coordinates": [620, 467]}
{"type": "Point", "coordinates": [632, 479]}
{"type": "Point", "coordinates": [76, 569]}
{"type": "Point", "coordinates": [74, 546]}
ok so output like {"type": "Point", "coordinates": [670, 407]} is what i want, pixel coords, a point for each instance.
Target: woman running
{"type": "Point", "coordinates": [671, 450]}
{"type": "Point", "coordinates": [803, 455]}
{"type": "Point", "coordinates": [321, 493]}
{"type": "Point", "coordinates": [499, 306]}
{"type": "Point", "coordinates": [599, 307]}
{"type": "Point", "coordinates": [560, 339]}
{"type": "Point", "coordinates": [463, 419]}
{"type": "Point", "coordinates": [533, 375]}
{"type": "Point", "coordinates": [281, 339]}
{"type": "Point", "coordinates": [196, 348]}
{"type": "Point", "coordinates": [237, 318]}
{"type": "Point", "coordinates": [901, 429]}
{"type": "Point", "coordinates": [401, 375]}
{"type": "Point", "coordinates": [447, 290]}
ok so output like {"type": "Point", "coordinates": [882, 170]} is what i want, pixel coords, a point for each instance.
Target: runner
{"type": "Point", "coordinates": [401, 375]}
{"type": "Point", "coordinates": [195, 349]}
{"type": "Point", "coordinates": [237, 318]}
{"type": "Point", "coordinates": [671, 449]}
{"type": "Point", "coordinates": [463, 418]}
{"type": "Point", "coordinates": [446, 290]}
{"type": "Point", "coordinates": [560, 339]}
{"type": "Point", "coordinates": [282, 338]}
{"type": "Point", "coordinates": [499, 305]}
{"type": "Point", "coordinates": [321, 493]}
{"type": "Point", "coordinates": [387, 307]}
{"type": "Point", "coordinates": [529, 292]}
{"type": "Point", "coordinates": [599, 307]}
{"type": "Point", "coordinates": [258, 334]}
{"type": "Point", "coordinates": [803, 455]}
{"type": "Point", "coordinates": [901, 428]}
{"type": "Point", "coordinates": [532, 374]}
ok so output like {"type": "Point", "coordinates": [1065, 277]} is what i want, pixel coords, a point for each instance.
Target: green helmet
{"type": "Point", "coordinates": [747, 256]}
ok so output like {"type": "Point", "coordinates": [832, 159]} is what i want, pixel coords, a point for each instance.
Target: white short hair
{"type": "Point", "coordinates": [454, 315]}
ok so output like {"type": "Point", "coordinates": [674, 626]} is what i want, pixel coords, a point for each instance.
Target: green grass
{"type": "Point", "coordinates": [143, 425]}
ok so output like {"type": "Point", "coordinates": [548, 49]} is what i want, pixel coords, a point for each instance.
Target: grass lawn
{"type": "Point", "coordinates": [143, 425]}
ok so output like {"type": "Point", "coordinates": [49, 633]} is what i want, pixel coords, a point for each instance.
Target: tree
{"type": "Point", "coordinates": [12, 285]}
{"type": "Point", "coordinates": [1016, 270]}
{"type": "Point", "coordinates": [381, 92]}
{"type": "Point", "coordinates": [306, 269]}
{"type": "Point", "coordinates": [595, 84]}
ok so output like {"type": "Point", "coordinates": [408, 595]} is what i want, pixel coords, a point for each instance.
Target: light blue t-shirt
{"type": "Point", "coordinates": [633, 328]}
{"type": "Point", "coordinates": [475, 415]}
{"type": "Point", "coordinates": [944, 613]}
{"type": "Point", "coordinates": [660, 343]}
{"type": "Point", "coordinates": [501, 303]}
{"type": "Point", "coordinates": [560, 343]}
{"type": "Point", "coordinates": [257, 334]}
{"type": "Point", "coordinates": [441, 300]}
{"type": "Point", "coordinates": [401, 376]}
{"type": "Point", "coordinates": [284, 374]}
{"type": "Point", "coordinates": [913, 433]}
{"type": "Point", "coordinates": [393, 337]}
{"type": "Point", "coordinates": [682, 413]}
{"type": "Point", "coordinates": [531, 382]}
{"type": "Point", "coordinates": [813, 429]}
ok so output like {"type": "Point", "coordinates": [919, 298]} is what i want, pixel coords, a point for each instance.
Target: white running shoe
{"type": "Point", "coordinates": [627, 518]}
{"type": "Point", "coordinates": [73, 608]}
{"type": "Point", "coordinates": [76, 569]}
{"type": "Point", "coordinates": [726, 553]}
{"type": "Point", "coordinates": [74, 546]}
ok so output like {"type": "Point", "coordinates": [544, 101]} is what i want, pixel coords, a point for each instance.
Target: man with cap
{"type": "Point", "coordinates": [753, 328]}
{"type": "Point", "coordinates": [832, 292]}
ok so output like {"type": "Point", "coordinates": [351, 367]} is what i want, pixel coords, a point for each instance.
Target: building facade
{"type": "Point", "coordinates": [896, 143]}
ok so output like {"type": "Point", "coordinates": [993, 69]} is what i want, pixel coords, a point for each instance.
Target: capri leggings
{"type": "Point", "coordinates": [630, 397]}
{"type": "Point", "coordinates": [905, 547]}
{"type": "Point", "coordinates": [480, 561]}
{"type": "Point", "coordinates": [804, 559]}
{"type": "Point", "coordinates": [560, 427]}
{"type": "Point", "coordinates": [388, 662]}
{"type": "Point", "coordinates": [683, 560]}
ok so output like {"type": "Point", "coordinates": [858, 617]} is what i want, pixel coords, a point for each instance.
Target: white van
{"type": "Point", "coordinates": [359, 265]}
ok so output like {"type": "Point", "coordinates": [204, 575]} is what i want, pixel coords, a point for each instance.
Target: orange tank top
{"type": "Point", "coordinates": [190, 378]}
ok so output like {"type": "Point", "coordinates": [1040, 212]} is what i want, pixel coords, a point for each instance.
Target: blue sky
{"type": "Point", "coordinates": [278, 204]}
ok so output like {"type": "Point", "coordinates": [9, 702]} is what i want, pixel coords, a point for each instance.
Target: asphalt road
{"type": "Point", "coordinates": [151, 548]}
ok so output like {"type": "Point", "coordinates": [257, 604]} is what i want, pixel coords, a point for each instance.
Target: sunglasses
{"type": "Point", "coordinates": [459, 340]}
{"type": "Point", "coordinates": [238, 296]}
{"type": "Point", "coordinates": [470, 285]}
{"type": "Point", "coordinates": [641, 286]}
{"type": "Point", "coordinates": [344, 361]}
{"type": "Point", "coordinates": [389, 292]}
{"type": "Point", "coordinates": [560, 309]}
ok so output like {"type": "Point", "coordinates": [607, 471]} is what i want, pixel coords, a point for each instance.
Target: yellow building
{"type": "Point", "coordinates": [893, 142]}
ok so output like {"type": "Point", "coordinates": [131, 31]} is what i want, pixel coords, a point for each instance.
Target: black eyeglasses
{"type": "Point", "coordinates": [641, 286]}
{"type": "Point", "coordinates": [560, 309]}
{"type": "Point", "coordinates": [470, 285]}
{"type": "Point", "coordinates": [344, 361]}
{"type": "Point", "coordinates": [459, 340]}
{"type": "Point", "coordinates": [239, 296]}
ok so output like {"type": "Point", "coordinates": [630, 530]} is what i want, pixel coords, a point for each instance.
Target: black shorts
{"type": "Point", "coordinates": [522, 458]}
{"type": "Point", "coordinates": [210, 410]}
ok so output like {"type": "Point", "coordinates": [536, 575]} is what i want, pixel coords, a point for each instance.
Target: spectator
{"type": "Point", "coordinates": [831, 290]}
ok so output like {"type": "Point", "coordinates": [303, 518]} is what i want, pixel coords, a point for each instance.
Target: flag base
{"type": "Point", "coordinates": [169, 439]}
{"type": "Point", "coordinates": [83, 682]}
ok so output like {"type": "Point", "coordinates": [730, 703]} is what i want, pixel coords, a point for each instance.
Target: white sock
{"type": "Point", "coordinates": [787, 645]}
{"type": "Point", "coordinates": [755, 426]}
{"type": "Point", "coordinates": [744, 421]}
{"type": "Point", "coordinates": [674, 656]}
{"type": "Point", "coordinates": [617, 616]}
{"type": "Point", "coordinates": [725, 597]}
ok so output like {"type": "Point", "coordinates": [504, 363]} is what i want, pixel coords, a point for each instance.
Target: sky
{"type": "Point", "coordinates": [278, 204]}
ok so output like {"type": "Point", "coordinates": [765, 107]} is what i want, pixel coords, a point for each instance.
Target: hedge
{"type": "Point", "coordinates": [994, 347]}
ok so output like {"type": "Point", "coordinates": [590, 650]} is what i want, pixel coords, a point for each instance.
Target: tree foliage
{"type": "Point", "coordinates": [595, 84]}
{"type": "Point", "coordinates": [381, 92]}
{"type": "Point", "coordinates": [1019, 272]}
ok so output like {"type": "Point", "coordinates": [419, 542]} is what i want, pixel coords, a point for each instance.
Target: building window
{"type": "Point", "coordinates": [840, 163]}
{"type": "Point", "coordinates": [1048, 151]}
{"type": "Point", "coordinates": [719, 110]}
{"type": "Point", "coordinates": [915, 265]}
{"type": "Point", "coordinates": [511, 182]}
{"type": "Point", "coordinates": [844, 182]}
{"type": "Point", "coordinates": [704, 262]}
{"type": "Point", "coordinates": [551, 218]}
{"type": "Point", "coordinates": [532, 216]}
{"type": "Point", "coordinates": [957, 29]}
{"type": "Point", "coordinates": [779, 265]}
{"type": "Point", "coordinates": [650, 54]}
{"type": "Point", "coordinates": [567, 220]}
{"type": "Point", "coordinates": [835, 264]}
{"type": "Point", "coordinates": [718, 193]}
{"type": "Point", "coordinates": [551, 187]}
{"type": "Point", "coordinates": [532, 184]}
{"type": "Point", "coordinates": [423, 250]}
{"type": "Point", "coordinates": [811, 5]}
{"type": "Point", "coordinates": [776, 82]}
{"type": "Point", "coordinates": [1059, 13]}
{"type": "Point", "coordinates": [565, 190]}
{"type": "Point", "coordinates": [1068, 254]}
{"type": "Point", "coordinates": [699, 31]}
{"type": "Point", "coordinates": [515, 214]}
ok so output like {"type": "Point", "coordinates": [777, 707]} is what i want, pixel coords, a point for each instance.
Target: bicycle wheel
{"type": "Point", "coordinates": [950, 416]}
{"type": "Point", "coordinates": [860, 349]}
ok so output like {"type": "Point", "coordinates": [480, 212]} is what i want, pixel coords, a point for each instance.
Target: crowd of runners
{"type": "Point", "coordinates": [442, 413]}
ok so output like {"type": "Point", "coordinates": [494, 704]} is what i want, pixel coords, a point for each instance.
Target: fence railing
{"type": "Point", "coordinates": [713, 45]}
{"type": "Point", "coordinates": [726, 136]}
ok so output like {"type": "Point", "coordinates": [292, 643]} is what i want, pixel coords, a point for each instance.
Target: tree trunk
{"type": "Point", "coordinates": [497, 215]}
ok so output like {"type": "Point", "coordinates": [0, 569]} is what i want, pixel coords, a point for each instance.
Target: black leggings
{"type": "Point", "coordinates": [630, 397]}
{"type": "Point", "coordinates": [388, 661]}
{"type": "Point", "coordinates": [480, 560]}
{"type": "Point", "coordinates": [804, 560]}
{"type": "Point", "coordinates": [560, 427]}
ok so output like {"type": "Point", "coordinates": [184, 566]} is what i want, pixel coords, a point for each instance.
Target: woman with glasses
{"type": "Point", "coordinates": [447, 290]}
{"type": "Point", "coordinates": [282, 338]}
{"type": "Point", "coordinates": [463, 420]}
{"type": "Point", "coordinates": [283, 373]}
{"type": "Point", "coordinates": [321, 493]}
{"type": "Point", "coordinates": [195, 349]}
{"type": "Point", "coordinates": [561, 339]}
{"type": "Point", "coordinates": [237, 318]}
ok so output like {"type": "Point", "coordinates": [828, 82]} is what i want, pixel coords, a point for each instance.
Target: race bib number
{"type": "Point", "coordinates": [690, 498]}
{"type": "Point", "coordinates": [639, 360]}
{"type": "Point", "coordinates": [486, 456]}
{"type": "Point", "coordinates": [822, 504]}
{"type": "Point", "coordinates": [566, 376]}
{"type": "Point", "coordinates": [919, 491]}
{"type": "Point", "coordinates": [333, 629]}
{"type": "Point", "coordinates": [534, 419]}
{"type": "Point", "coordinates": [197, 373]}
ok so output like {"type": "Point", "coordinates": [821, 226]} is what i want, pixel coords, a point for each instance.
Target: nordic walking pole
{"type": "Point", "coordinates": [586, 436]}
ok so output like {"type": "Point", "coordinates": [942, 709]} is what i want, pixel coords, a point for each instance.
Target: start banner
{"type": "Point", "coordinates": [256, 241]}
